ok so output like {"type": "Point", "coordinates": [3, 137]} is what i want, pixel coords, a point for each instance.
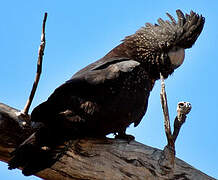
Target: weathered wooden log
{"type": "Point", "coordinates": [95, 159]}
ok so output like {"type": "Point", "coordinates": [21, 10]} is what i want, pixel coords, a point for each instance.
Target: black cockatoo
{"type": "Point", "coordinates": [108, 95]}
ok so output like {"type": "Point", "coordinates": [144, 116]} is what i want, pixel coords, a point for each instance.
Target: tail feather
{"type": "Point", "coordinates": [43, 148]}
{"type": "Point", "coordinates": [20, 156]}
{"type": "Point", "coordinates": [34, 154]}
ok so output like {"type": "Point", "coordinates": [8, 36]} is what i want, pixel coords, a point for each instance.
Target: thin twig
{"type": "Point", "coordinates": [165, 111]}
{"type": "Point", "coordinates": [39, 68]}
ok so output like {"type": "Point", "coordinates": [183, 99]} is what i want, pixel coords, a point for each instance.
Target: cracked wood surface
{"type": "Point", "coordinates": [95, 159]}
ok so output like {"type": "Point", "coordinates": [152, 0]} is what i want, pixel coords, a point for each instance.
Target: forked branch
{"type": "Point", "coordinates": [183, 108]}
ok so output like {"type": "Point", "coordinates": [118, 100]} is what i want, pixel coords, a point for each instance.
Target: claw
{"type": "Point", "coordinates": [127, 137]}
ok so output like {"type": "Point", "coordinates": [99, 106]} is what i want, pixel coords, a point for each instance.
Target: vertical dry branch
{"type": "Point", "coordinates": [167, 159]}
{"type": "Point", "coordinates": [166, 112]}
{"type": "Point", "coordinates": [39, 68]}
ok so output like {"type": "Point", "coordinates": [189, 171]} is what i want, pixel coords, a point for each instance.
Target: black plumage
{"type": "Point", "coordinates": [110, 94]}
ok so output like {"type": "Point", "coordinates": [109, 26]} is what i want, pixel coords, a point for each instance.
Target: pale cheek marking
{"type": "Point", "coordinates": [177, 57]}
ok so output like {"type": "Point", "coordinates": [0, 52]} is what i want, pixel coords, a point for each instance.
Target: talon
{"type": "Point", "coordinates": [127, 137]}
{"type": "Point", "coordinates": [45, 148]}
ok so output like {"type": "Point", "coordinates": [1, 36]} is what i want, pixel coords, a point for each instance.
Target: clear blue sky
{"type": "Point", "coordinates": [80, 32]}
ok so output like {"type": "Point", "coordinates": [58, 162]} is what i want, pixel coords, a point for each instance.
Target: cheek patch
{"type": "Point", "coordinates": [177, 57]}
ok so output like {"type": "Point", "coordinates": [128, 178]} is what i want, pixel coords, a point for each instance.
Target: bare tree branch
{"type": "Point", "coordinates": [167, 160]}
{"type": "Point", "coordinates": [39, 68]}
{"type": "Point", "coordinates": [94, 159]}
{"type": "Point", "coordinates": [165, 111]}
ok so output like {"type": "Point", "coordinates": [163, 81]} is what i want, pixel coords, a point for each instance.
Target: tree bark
{"type": "Point", "coordinates": [95, 159]}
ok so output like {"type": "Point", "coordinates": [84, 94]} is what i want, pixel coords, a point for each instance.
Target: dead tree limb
{"type": "Point", "coordinates": [167, 160]}
{"type": "Point", "coordinates": [166, 112]}
{"type": "Point", "coordinates": [39, 68]}
{"type": "Point", "coordinates": [94, 159]}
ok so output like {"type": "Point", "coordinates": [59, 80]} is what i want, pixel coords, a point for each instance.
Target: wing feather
{"type": "Point", "coordinates": [107, 70]}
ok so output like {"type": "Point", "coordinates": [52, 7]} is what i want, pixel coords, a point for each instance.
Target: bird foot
{"type": "Point", "coordinates": [127, 137]}
{"type": "Point", "coordinates": [45, 148]}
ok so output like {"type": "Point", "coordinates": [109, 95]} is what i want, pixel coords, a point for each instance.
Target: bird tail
{"type": "Point", "coordinates": [33, 154]}
{"type": "Point", "coordinates": [44, 147]}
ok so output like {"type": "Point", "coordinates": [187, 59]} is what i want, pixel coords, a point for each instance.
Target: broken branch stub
{"type": "Point", "coordinates": [183, 108]}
